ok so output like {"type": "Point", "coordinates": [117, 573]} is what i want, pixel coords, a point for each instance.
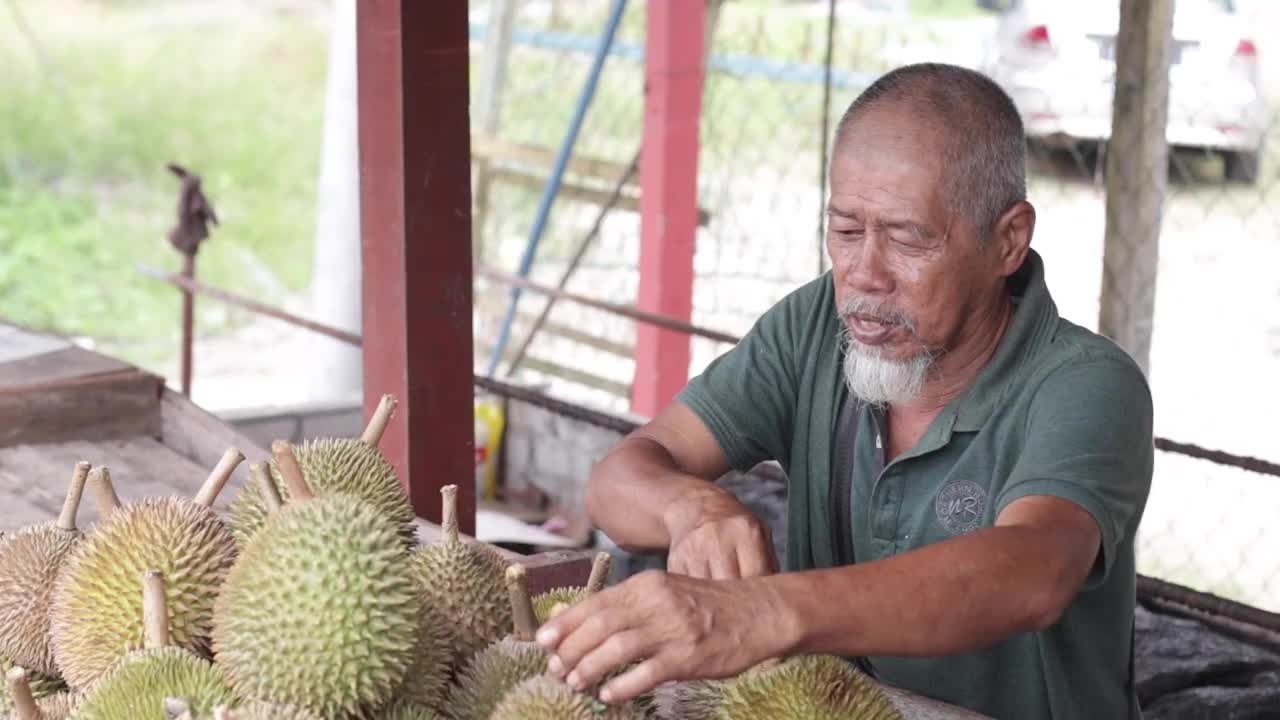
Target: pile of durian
{"type": "Point", "coordinates": [312, 600]}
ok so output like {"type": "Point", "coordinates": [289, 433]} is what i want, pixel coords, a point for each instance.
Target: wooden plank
{"type": "Point", "coordinates": [1136, 175]}
{"type": "Point", "coordinates": [194, 433]}
{"type": "Point", "coordinates": [120, 404]}
{"type": "Point", "coordinates": [579, 191]}
{"type": "Point", "coordinates": [59, 365]}
{"type": "Point", "coordinates": [415, 226]}
{"type": "Point", "coordinates": [497, 150]}
{"type": "Point", "coordinates": [673, 76]}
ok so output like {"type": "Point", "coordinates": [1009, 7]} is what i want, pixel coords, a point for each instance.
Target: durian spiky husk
{"type": "Point", "coordinates": [542, 604]}
{"type": "Point", "coordinates": [136, 687]}
{"type": "Point", "coordinates": [691, 700]}
{"type": "Point", "coordinates": [57, 706]}
{"type": "Point", "coordinates": [332, 465]}
{"type": "Point", "coordinates": [490, 674]}
{"type": "Point", "coordinates": [29, 564]}
{"type": "Point", "coordinates": [810, 687]}
{"type": "Point", "coordinates": [427, 680]}
{"type": "Point", "coordinates": [321, 609]}
{"type": "Point", "coordinates": [545, 698]}
{"type": "Point", "coordinates": [257, 710]}
{"type": "Point", "coordinates": [96, 614]}
{"type": "Point", "coordinates": [406, 710]}
{"type": "Point", "coordinates": [42, 685]}
{"type": "Point", "coordinates": [466, 585]}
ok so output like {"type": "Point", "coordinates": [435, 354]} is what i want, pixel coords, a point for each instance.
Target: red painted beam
{"type": "Point", "coordinates": [669, 195]}
{"type": "Point", "coordinates": [415, 226]}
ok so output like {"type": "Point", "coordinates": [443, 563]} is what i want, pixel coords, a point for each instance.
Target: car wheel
{"type": "Point", "coordinates": [1241, 166]}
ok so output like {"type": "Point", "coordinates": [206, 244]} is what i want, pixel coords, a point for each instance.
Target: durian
{"type": "Point", "coordinates": [137, 686]}
{"type": "Point", "coordinates": [464, 583]}
{"type": "Point", "coordinates": [809, 687]}
{"type": "Point", "coordinates": [351, 465]}
{"type": "Point", "coordinates": [543, 603]}
{"type": "Point", "coordinates": [320, 611]}
{"type": "Point", "coordinates": [545, 698]}
{"type": "Point", "coordinates": [262, 711]}
{"type": "Point", "coordinates": [22, 703]}
{"type": "Point", "coordinates": [405, 710]}
{"type": "Point", "coordinates": [96, 614]}
{"type": "Point", "coordinates": [29, 564]}
{"type": "Point", "coordinates": [427, 680]}
{"type": "Point", "coordinates": [41, 685]}
{"type": "Point", "coordinates": [504, 664]}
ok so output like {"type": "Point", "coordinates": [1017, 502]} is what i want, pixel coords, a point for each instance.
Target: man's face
{"type": "Point", "coordinates": [907, 274]}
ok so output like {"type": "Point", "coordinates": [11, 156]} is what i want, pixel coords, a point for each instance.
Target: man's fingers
{"type": "Point", "coordinates": [590, 634]}
{"type": "Point", "coordinates": [723, 566]}
{"type": "Point", "coordinates": [753, 562]}
{"type": "Point", "coordinates": [640, 679]}
{"type": "Point", "coordinates": [610, 655]}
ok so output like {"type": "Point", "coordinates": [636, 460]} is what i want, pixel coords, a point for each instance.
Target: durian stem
{"type": "Point", "coordinates": [70, 506]}
{"type": "Point", "coordinates": [449, 513]}
{"type": "Point", "coordinates": [177, 709]}
{"type": "Point", "coordinates": [599, 573]}
{"type": "Point", "coordinates": [522, 617]}
{"type": "Point", "coordinates": [213, 485]}
{"type": "Point", "coordinates": [155, 611]}
{"type": "Point", "coordinates": [104, 492]}
{"type": "Point", "coordinates": [20, 692]}
{"type": "Point", "coordinates": [261, 474]}
{"type": "Point", "coordinates": [378, 423]}
{"type": "Point", "coordinates": [296, 484]}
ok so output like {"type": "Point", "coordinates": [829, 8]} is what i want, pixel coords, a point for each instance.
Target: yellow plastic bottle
{"type": "Point", "coordinates": [489, 426]}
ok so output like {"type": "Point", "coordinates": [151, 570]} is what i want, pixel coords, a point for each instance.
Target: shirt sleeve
{"type": "Point", "coordinates": [747, 396]}
{"type": "Point", "coordinates": [1089, 441]}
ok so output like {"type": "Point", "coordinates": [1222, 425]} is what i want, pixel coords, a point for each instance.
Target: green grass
{"type": "Point", "coordinates": [84, 193]}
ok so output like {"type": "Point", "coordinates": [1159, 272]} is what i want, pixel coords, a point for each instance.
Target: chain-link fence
{"type": "Point", "coordinates": [1216, 340]}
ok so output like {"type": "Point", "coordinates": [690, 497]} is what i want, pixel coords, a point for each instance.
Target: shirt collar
{"type": "Point", "coordinates": [1032, 326]}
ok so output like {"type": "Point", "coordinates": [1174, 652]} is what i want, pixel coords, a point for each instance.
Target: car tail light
{"type": "Point", "coordinates": [1245, 60]}
{"type": "Point", "coordinates": [1037, 38]}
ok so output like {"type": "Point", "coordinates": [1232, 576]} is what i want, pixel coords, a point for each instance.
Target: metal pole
{"type": "Point", "coordinates": [188, 323]}
{"type": "Point", "coordinates": [557, 173]}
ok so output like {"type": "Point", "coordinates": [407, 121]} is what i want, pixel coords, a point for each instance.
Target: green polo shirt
{"type": "Point", "coordinates": [1058, 410]}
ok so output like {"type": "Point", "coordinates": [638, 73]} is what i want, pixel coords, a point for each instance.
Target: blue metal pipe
{"type": "Point", "coordinates": [737, 64]}
{"type": "Point", "coordinates": [552, 187]}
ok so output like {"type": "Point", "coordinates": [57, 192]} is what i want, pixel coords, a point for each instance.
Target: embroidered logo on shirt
{"type": "Point", "coordinates": [960, 506]}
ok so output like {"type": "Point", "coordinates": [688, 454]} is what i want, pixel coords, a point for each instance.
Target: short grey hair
{"type": "Point", "coordinates": [984, 144]}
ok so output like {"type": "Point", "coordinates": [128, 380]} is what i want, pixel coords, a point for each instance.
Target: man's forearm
{"type": "Point", "coordinates": [946, 598]}
{"type": "Point", "coordinates": [631, 489]}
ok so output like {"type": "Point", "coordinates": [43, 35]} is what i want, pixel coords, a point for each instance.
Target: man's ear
{"type": "Point", "coordinates": [1011, 237]}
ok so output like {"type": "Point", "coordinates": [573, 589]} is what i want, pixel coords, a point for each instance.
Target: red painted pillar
{"type": "Point", "coordinates": [415, 226]}
{"type": "Point", "coordinates": [669, 195]}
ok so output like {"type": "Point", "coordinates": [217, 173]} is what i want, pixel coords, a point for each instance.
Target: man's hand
{"type": "Point", "coordinates": [675, 627]}
{"type": "Point", "coordinates": [713, 535]}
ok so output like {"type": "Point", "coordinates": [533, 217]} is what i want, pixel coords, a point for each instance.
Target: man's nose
{"type": "Point", "coordinates": [868, 273]}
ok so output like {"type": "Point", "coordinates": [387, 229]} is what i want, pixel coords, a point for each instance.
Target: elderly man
{"type": "Point", "coordinates": [967, 469]}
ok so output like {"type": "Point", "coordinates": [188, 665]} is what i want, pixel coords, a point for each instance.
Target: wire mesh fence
{"type": "Point", "coordinates": [1215, 342]}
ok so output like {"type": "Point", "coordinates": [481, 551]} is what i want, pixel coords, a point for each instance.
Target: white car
{"type": "Point", "coordinates": [1056, 59]}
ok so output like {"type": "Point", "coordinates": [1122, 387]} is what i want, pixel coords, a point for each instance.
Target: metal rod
{"type": "Point", "coordinates": [557, 174]}
{"type": "Point", "coordinates": [826, 120]}
{"type": "Point", "coordinates": [661, 321]}
{"type": "Point", "coordinates": [188, 322]}
{"type": "Point", "coordinates": [195, 286]}
{"type": "Point", "coordinates": [578, 255]}
{"type": "Point", "coordinates": [1221, 613]}
{"type": "Point", "coordinates": [1243, 462]}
